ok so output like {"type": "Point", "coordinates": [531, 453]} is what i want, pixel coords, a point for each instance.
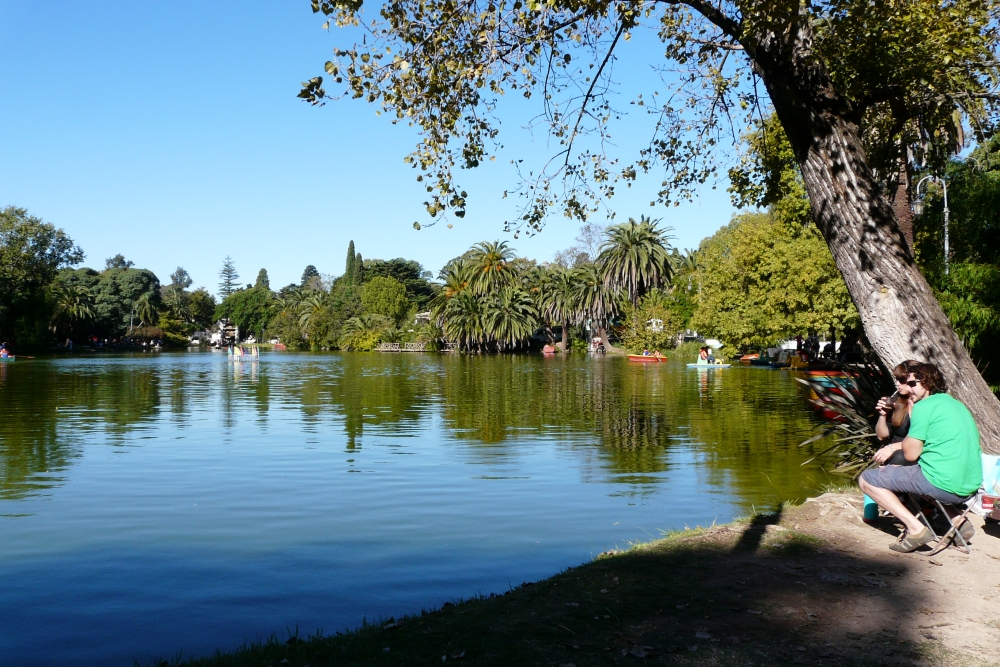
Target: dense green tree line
{"type": "Point", "coordinates": [371, 302]}
{"type": "Point", "coordinates": [45, 301]}
{"type": "Point", "coordinates": [493, 300]}
{"type": "Point", "coordinates": [489, 299]}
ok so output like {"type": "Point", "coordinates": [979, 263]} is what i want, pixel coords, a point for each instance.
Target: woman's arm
{"type": "Point", "coordinates": [882, 426]}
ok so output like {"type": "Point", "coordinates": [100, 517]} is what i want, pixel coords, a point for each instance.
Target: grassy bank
{"type": "Point", "coordinates": [758, 591]}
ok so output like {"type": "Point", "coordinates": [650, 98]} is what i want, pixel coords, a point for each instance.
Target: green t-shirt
{"type": "Point", "coordinates": [951, 459]}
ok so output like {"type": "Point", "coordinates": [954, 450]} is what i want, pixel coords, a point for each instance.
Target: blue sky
{"type": "Point", "coordinates": [170, 132]}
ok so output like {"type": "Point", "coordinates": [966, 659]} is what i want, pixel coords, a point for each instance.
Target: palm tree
{"type": "Point", "coordinates": [537, 282]}
{"type": "Point", "coordinates": [559, 300]}
{"type": "Point", "coordinates": [176, 302]}
{"type": "Point", "coordinates": [636, 257]}
{"type": "Point", "coordinates": [595, 299]}
{"type": "Point", "coordinates": [70, 304]}
{"type": "Point", "coordinates": [684, 263]}
{"type": "Point", "coordinates": [370, 325]}
{"type": "Point", "coordinates": [510, 317]}
{"type": "Point", "coordinates": [490, 263]}
{"type": "Point", "coordinates": [463, 320]}
{"type": "Point", "coordinates": [457, 277]}
{"type": "Point", "coordinates": [308, 308]}
{"type": "Point", "coordinates": [146, 311]}
{"type": "Point", "coordinates": [392, 334]}
{"type": "Point", "coordinates": [429, 334]}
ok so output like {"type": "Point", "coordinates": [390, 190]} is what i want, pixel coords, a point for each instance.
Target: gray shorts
{"type": "Point", "coordinates": [909, 479]}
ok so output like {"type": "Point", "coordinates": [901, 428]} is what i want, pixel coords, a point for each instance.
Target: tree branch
{"type": "Point", "coordinates": [590, 91]}
{"type": "Point", "coordinates": [728, 25]}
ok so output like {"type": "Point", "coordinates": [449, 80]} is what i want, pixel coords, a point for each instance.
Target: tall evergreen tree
{"type": "Point", "coordinates": [262, 279]}
{"type": "Point", "coordinates": [310, 272]}
{"type": "Point", "coordinates": [229, 276]}
{"type": "Point", "coordinates": [358, 275]}
{"type": "Point", "coordinates": [349, 267]}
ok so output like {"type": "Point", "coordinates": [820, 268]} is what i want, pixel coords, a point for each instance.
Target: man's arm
{"type": "Point", "coordinates": [912, 448]}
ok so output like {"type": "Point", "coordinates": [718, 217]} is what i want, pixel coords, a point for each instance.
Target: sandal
{"type": "Point", "coordinates": [913, 542]}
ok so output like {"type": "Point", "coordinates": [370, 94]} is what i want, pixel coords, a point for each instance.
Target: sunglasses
{"type": "Point", "coordinates": [908, 383]}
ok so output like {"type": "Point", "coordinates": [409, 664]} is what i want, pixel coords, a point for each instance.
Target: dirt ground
{"type": "Point", "coordinates": [951, 600]}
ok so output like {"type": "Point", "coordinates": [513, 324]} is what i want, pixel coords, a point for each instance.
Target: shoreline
{"type": "Point", "coordinates": [809, 584]}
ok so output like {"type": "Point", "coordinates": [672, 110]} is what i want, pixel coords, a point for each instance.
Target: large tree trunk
{"type": "Point", "coordinates": [608, 347]}
{"type": "Point", "coordinates": [900, 315]}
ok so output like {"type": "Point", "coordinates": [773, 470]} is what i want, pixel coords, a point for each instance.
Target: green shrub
{"type": "Point", "coordinates": [365, 340]}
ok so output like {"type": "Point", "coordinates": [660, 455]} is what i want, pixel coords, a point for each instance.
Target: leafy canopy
{"type": "Point", "coordinates": [120, 294]}
{"type": "Point", "coordinates": [909, 71]}
{"type": "Point", "coordinates": [31, 253]}
{"type": "Point", "coordinates": [407, 271]}
{"type": "Point", "coordinates": [250, 309]}
{"type": "Point", "coordinates": [764, 279]}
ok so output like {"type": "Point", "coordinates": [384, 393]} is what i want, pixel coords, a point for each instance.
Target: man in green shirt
{"type": "Point", "coordinates": [944, 441]}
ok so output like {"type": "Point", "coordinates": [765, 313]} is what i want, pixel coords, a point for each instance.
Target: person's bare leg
{"type": "Point", "coordinates": [891, 502]}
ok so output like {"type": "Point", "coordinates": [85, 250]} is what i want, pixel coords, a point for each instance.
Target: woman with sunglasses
{"type": "Point", "coordinates": [944, 443]}
{"type": "Point", "coordinates": [894, 417]}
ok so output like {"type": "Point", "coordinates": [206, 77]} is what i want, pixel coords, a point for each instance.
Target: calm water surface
{"type": "Point", "coordinates": [158, 504]}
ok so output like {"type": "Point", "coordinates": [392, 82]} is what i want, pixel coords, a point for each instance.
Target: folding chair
{"type": "Point", "coordinates": [951, 537]}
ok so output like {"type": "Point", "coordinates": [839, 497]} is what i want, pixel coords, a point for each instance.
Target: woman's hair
{"type": "Point", "coordinates": [930, 377]}
{"type": "Point", "coordinates": [900, 408]}
{"type": "Point", "coordinates": [901, 404]}
{"type": "Point", "coordinates": [903, 370]}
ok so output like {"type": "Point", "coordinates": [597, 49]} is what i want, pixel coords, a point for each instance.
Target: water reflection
{"type": "Point", "coordinates": [743, 424]}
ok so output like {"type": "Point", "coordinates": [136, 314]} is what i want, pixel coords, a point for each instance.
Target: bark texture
{"type": "Point", "coordinates": [899, 312]}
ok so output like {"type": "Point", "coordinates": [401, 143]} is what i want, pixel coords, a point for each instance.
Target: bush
{"type": "Point", "coordinates": [285, 327]}
{"type": "Point", "coordinates": [361, 341]}
{"type": "Point", "coordinates": [653, 312]}
{"type": "Point", "coordinates": [174, 333]}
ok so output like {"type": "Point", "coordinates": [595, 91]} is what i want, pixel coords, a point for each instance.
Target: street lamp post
{"type": "Point", "coordinates": [918, 208]}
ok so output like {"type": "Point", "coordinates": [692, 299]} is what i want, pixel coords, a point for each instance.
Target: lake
{"type": "Point", "coordinates": [164, 504]}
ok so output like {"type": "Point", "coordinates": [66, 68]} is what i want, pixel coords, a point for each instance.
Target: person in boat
{"type": "Point", "coordinates": [705, 356]}
{"type": "Point", "coordinates": [894, 417]}
{"type": "Point", "coordinates": [943, 441]}
{"type": "Point", "coordinates": [656, 353]}
{"type": "Point", "coordinates": [4, 353]}
{"type": "Point", "coordinates": [646, 353]}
